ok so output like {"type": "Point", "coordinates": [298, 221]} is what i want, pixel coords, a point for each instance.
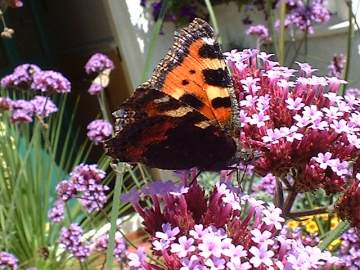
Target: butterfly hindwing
{"type": "Point", "coordinates": [194, 71]}
{"type": "Point", "coordinates": [156, 129]}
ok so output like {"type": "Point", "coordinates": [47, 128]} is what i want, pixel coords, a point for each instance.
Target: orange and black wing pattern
{"type": "Point", "coordinates": [194, 72]}
{"type": "Point", "coordinates": [160, 131]}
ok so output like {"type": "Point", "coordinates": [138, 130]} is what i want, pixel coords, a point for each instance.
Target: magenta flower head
{"type": "Point", "coordinates": [51, 82]}
{"type": "Point", "coordinates": [101, 244]}
{"type": "Point", "coordinates": [95, 88]}
{"type": "Point", "coordinates": [22, 111]}
{"type": "Point", "coordinates": [71, 239]}
{"type": "Point", "coordinates": [8, 261]}
{"type": "Point", "coordinates": [43, 106]}
{"type": "Point", "coordinates": [259, 31]}
{"type": "Point", "coordinates": [21, 78]}
{"type": "Point", "coordinates": [98, 63]}
{"type": "Point", "coordinates": [221, 230]}
{"type": "Point", "coordinates": [56, 213]}
{"type": "Point", "coordinates": [99, 130]}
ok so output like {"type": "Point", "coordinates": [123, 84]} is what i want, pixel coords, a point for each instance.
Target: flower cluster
{"type": "Point", "coordinates": [220, 231]}
{"type": "Point", "coordinates": [304, 14]}
{"type": "Point", "coordinates": [302, 129]}
{"type": "Point", "coordinates": [28, 76]}
{"type": "Point", "coordinates": [21, 78]}
{"type": "Point", "coordinates": [56, 213]}
{"type": "Point", "coordinates": [85, 182]}
{"type": "Point", "coordinates": [99, 130]}
{"type": "Point", "coordinates": [267, 184]}
{"type": "Point", "coordinates": [349, 249]}
{"type": "Point", "coordinates": [51, 82]}
{"type": "Point", "coordinates": [98, 63]}
{"type": "Point", "coordinates": [259, 31]}
{"type": "Point", "coordinates": [120, 250]}
{"type": "Point", "coordinates": [71, 239]}
{"type": "Point", "coordinates": [23, 111]}
{"type": "Point", "coordinates": [8, 261]}
{"type": "Point", "coordinates": [337, 65]}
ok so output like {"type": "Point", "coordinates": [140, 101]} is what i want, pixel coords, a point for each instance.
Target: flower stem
{"type": "Point", "coordinates": [290, 199]}
{"type": "Point", "coordinates": [119, 170]}
{"type": "Point", "coordinates": [312, 212]}
{"type": "Point", "coordinates": [348, 50]}
{"type": "Point", "coordinates": [270, 22]}
{"type": "Point", "coordinates": [339, 230]}
{"type": "Point", "coordinates": [213, 19]}
{"type": "Point", "coordinates": [281, 45]}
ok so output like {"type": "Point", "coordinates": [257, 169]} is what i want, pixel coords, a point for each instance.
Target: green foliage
{"type": "Point", "coordinates": [34, 158]}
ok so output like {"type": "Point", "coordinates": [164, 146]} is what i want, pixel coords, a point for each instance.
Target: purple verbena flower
{"type": "Point", "coordinates": [71, 239]}
{"type": "Point", "coordinates": [51, 82]}
{"type": "Point", "coordinates": [95, 88]}
{"type": "Point", "coordinates": [8, 261]}
{"type": "Point", "coordinates": [260, 31]}
{"type": "Point", "coordinates": [98, 63]}
{"type": "Point", "coordinates": [66, 190]}
{"type": "Point", "coordinates": [21, 78]}
{"type": "Point", "coordinates": [120, 249]}
{"type": "Point", "coordinates": [56, 213]}
{"type": "Point", "coordinates": [43, 106]}
{"type": "Point", "coordinates": [99, 130]}
{"type": "Point", "coordinates": [22, 111]}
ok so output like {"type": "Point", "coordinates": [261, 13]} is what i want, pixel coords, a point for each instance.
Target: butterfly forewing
{"type": "Point", "coordinates": [194, 71]}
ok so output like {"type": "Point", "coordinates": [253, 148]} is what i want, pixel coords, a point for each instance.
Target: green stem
{"type": "Point", "coordinates": [119, 170]}
{"type": "Point", "coordinates": [270, 22]}
{"type": "Point", "coordinates": [281, 45]}
{"type": "Point", "coordinates": [103, 106]}
{"type": "Point", "coordinates": [348, 50]}
{"type": "Point", "coordinates": [317, 220]}
{"type": "Point", "coordinates": [213, 19]}
{"type": "Point", "coordinates": [333, 235]}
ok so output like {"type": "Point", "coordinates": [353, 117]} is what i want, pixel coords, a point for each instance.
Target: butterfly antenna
{"type": "Point", "coordinates": [194, 178]}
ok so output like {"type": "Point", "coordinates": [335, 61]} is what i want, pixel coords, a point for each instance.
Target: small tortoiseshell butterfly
{"type": "Point", "coordinates": [186, 114]}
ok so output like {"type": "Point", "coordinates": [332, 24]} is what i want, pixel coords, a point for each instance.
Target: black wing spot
{"type": "Point", "coordinates": [192, 71]}
{"type": "Point", "coordinates": [221, 102]}
{"type": "Point", "coordinates": [217, 77]}
{"type": "Point", "coordinates": [192, 101]}
{"type": "Point", "coordinates": [184, 82]}
{"type": "Point", "coordinates": [210, 51]}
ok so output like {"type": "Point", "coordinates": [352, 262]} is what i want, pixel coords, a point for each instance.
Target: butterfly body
{"type": "Point", "coordinates": [183, 117]}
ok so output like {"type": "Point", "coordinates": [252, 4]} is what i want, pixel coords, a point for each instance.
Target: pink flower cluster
{"type": "Point", "coordinates": [23, 111]}
{"type": "Point", "coordinates": [28, 76]}
{"type": "Point", "coordinates": [296, 123]}
{"type": "Point", "coordinates": [260, 31]}
{"type": "Point", "coordinates": [99, 130]}
{"type": "Point", "coordinates": [304, 14]}
{"type": "Point", "coordinates": [8, 261]}
{"type": "Point", "coordinates": [85, 183]}
{"type": "Point", "coordinates": [191, 230]}
{"type": "Point", "coordinates": [337, 65]}
{"type": "Point", "coordinates": [120, 250]}
{"type": "Point", "coordinates": [71, 239]}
